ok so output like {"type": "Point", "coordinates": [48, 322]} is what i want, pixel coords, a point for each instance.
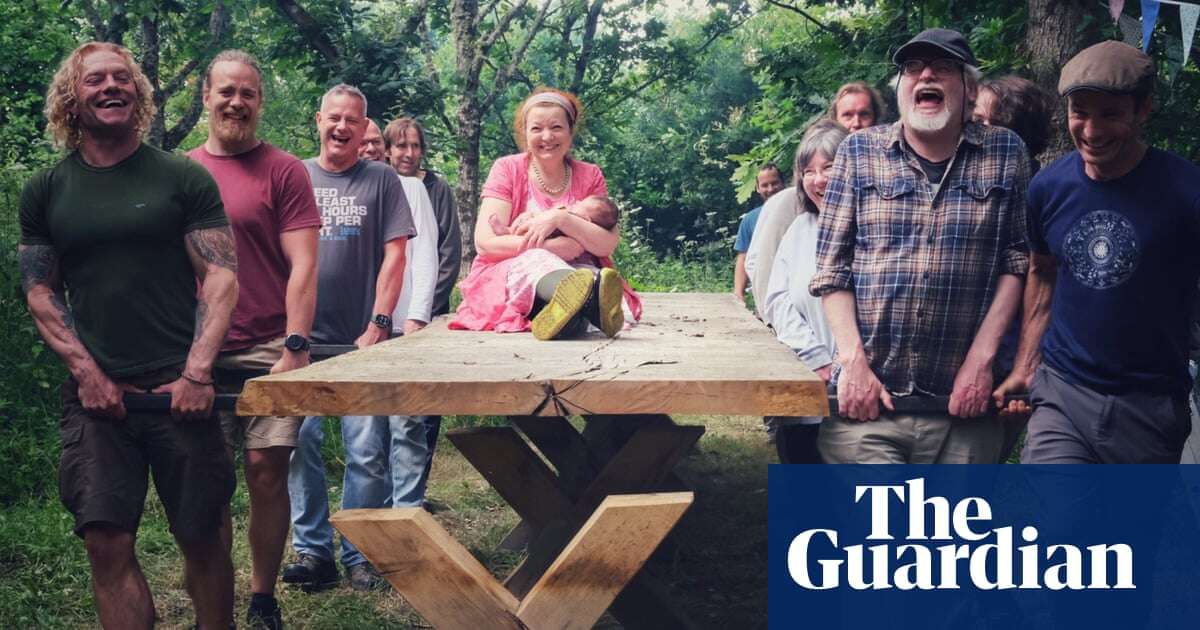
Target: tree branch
{"type": "Point", "coordinates": [663, 73]}
{"type": "Point", "coordinates": [501, 80]}
{"type": "Point", "coordinates": [93, 17]}
{"type": "Point", "coordinates": [837, 31]}
{"type": "Point", "coordinates": [585, 50]}
{"type": "Point", "coordinates": [416, 20]}
{"type": "Point", "coordinates": [499, 29]}
{"type": "Point", "coordinates": [310, 29]}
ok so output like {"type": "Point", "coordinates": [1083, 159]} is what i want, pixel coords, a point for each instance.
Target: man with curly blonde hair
{"type": "Point", "coordinates": [132, 231]}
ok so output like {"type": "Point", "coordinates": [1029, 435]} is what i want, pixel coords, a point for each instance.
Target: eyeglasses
{"type": "Point", "coordinates": [943, 67]}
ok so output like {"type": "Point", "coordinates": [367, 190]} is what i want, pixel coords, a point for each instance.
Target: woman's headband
{"type": "Point", "coordinates": [550, 98]}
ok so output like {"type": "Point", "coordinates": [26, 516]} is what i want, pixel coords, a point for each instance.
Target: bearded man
{"type": "Point", "coordinates": [268, 197]}
{"type": "Point", "coordinates": [920, 262]}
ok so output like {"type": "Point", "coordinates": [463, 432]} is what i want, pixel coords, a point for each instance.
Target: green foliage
{"type": "Point", "coordinates": [32, 373]}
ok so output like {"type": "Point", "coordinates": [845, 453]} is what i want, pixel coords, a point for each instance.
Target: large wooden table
{"type": "Point", "coordinates": [594, 503]}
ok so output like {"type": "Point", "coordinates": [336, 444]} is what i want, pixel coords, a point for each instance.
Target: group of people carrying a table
{"type": "Point", "coordinates": [933, 257]}
{"type": "Point", "coordinates": [902, 257]}
{"type": "Point", "coordinates": [182, 275]}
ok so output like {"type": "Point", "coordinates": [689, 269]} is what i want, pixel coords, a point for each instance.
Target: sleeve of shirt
{"type": "Point", "coordinates": [32, 212]}
{"type": "Point", "coordinates": [791, 328]}
{"type": "Point", "coordinates": [743, 235]}
{"type": "Point", "coordinates": [1034, 238]}
{"type": "Point", "coordinates": [397, 218]}
{"type": "Point", "coordinates": [203, 205]}
{"type": "Point", "coordinates": [449, 243]}
{"type": "Point", "coordinates": [1014, 259]}
{"type": "Point", "coordinates": [294, 199]}
{"type": "Point", "coordinates": [597, 185]}
{"type": "Point", "coordinates": [423, 251]}
{"type": "Point", "coordinates": [838, 224]}
{"type": "Point", "coordinates": [500, 180]}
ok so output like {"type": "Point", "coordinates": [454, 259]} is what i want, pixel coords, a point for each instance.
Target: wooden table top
{"type": "Point", "coordinates": [693, 353]}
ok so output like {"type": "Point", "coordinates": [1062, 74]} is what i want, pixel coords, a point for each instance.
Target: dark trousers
{"type": "Point", "coordinates": [1072, 424]}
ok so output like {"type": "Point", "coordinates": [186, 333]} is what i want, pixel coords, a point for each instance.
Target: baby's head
{"type": "Point", "coordinates": [601, 211]}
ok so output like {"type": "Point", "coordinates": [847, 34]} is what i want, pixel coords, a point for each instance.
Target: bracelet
{"type": "Point", "coordinates": [195, 381]}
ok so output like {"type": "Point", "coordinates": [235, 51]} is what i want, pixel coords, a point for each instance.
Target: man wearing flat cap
{"type": "Point", "coordinates": [920, 263]}
{"type": "Point", "coordinates": [1114, 228]}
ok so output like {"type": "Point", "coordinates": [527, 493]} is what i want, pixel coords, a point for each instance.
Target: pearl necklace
{"type": "Point", "coordinates": [557, 190]}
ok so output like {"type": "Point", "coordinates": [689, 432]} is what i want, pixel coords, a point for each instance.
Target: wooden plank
{"type": "Point", "coordinates": [692, 353]}
{"type": "Point", "coordinates": [641, 464]}
{"type": "Point", "coordinates": [564, 447]}
{"type": "Point", "coordinates": [436, 574]}
{"type": "Point", "coordinates": [520, 477]}
{"type": "Point", "coordinates": [603, 556]}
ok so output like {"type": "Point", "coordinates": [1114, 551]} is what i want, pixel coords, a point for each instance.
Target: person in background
{"type": "Point", "coordinates": [1019, 105]}
{"type": "Point", "coordinates": [366, 227]}
{"type": "Point", "coordinates": [269, 200]}
{"type": "Point", "coordinates": [140, 238]}
{"type": "Point", "coordinates": [793, 312]}
{"type": "Point", "coordinates": [373, 145]}
{"type": "Point", "coordinates": [404, 140]}
{"type": "Point", "coordinates": [406, 146]}
{"type": "Point", "coordinates": [776, 217]}
{"type": "Point", "coordinates": [768, 182]}
{"type": "Point", "coordinates": [411, 456]}
{"type": "Point", "coordinates": [1113, 228]}
{"type": "Point", "coordinates": [920, 272]}
{"type": "Point", "coordinates": [857, 106]}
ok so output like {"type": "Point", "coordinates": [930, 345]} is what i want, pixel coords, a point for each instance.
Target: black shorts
{"type": "Point", "coordinates": [102, 473]}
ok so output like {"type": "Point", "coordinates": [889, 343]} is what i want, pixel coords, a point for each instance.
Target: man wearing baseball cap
{"type": "Point", "coordinates": [1113, 233]}
{"type": "Point", "coordinates": [920, 260]}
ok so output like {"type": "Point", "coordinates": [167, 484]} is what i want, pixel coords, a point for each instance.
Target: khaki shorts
{"type": "Point", "coordinates": [253, 432]}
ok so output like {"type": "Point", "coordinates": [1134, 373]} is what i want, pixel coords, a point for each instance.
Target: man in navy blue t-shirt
{"type": "Point", "coordinates": [1114, 232]}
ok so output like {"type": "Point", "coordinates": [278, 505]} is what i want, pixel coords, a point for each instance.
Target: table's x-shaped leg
{"type": "Point", "coordinates": [450, 589]}
{"type": "Point", "coordinates": [556, 506]}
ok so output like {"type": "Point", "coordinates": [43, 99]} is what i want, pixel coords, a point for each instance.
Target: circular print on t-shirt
{"type": "Point", "coordinates": [1102, 249]}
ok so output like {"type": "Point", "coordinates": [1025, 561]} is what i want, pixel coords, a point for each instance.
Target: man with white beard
{"type": "Point", "coordinates": [268, 197]}
{"type": "Point", "coordinates": [920, 262]}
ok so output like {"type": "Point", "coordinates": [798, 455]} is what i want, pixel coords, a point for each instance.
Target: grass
{"type": "Point", "coordinates": [712, 564]}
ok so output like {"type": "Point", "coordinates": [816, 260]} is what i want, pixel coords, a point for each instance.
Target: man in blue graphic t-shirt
{"type": "Point", "coordinates": [1114, 229]}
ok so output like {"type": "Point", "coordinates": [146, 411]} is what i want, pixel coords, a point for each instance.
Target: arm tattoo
{"type": "Point", "coordinates": [58, 299]}
{"type": "Point", "coordinates": [201, 319]}
{"type": "Point", "coordinates": [214, 246]}
{"type": "Point", "coordinates": [38, 265]}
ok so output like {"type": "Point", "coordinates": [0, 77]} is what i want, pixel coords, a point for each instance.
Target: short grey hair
{"type": "Point", "coordinates": [344, 88]}
{"type": "Point", "coordinates": [823, 137]}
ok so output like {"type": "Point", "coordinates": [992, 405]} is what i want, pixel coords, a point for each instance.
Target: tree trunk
{"type": "Point", "coordinates": [1057, 30]}
{"type": "Point", "coordinates": [464, 16]}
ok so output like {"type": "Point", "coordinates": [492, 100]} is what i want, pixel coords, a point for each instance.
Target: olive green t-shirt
{"type": "Point", "coordinates": [118, 233]}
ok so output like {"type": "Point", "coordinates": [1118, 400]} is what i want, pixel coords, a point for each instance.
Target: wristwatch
{"type": "Point", "coordinates": [382, 321]}
{"type": "Point", "coordinates": [296, 342]}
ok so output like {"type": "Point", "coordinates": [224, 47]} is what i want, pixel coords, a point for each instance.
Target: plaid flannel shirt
{"type": "Point", "coordinates": [923, 261]}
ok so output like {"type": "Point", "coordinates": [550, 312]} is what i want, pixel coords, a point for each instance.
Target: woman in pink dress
{"type": "Point", "coordinates": [519, 281]}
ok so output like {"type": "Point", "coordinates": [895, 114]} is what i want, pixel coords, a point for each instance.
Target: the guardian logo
{"type": "Point", "coordinates": [919, 564]}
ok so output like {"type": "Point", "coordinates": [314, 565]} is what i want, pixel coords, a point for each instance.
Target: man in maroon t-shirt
{"type": "Point", "coordinates": [268, 197]}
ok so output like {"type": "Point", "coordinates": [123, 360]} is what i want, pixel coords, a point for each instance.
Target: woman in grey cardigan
{"type": "Point", "coordinates": [787, 305]}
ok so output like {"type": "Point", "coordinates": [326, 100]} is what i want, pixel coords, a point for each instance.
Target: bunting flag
{"type": "Point", "coordinates": [1188, 15]}
{"type": "Point", "coordinates": [1149, 19]}
{"type": "Point", "coordinates": [1114, 9]}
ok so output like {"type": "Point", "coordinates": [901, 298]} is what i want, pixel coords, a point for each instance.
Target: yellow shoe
{"type": "Point", "coordinates": [570, 295]}
{"type": "Point", "coordinates": [610, 294]}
